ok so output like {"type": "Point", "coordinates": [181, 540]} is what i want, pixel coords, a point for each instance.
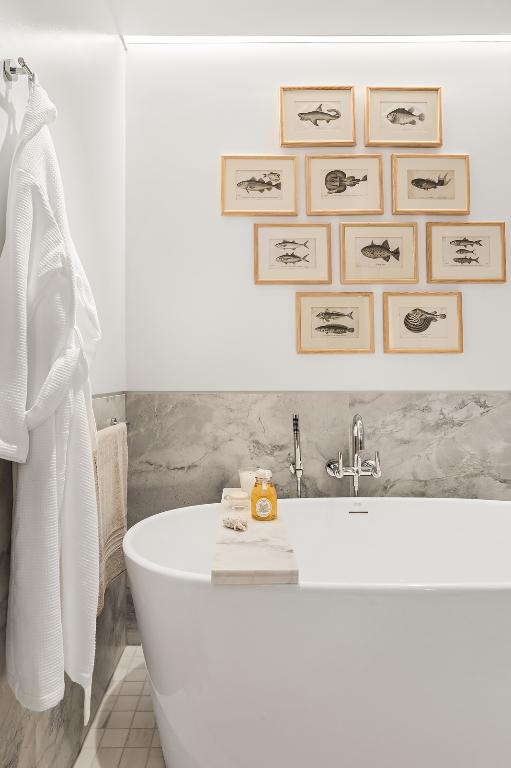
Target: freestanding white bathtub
{"type": "Point", "coordinates": [394, 651]}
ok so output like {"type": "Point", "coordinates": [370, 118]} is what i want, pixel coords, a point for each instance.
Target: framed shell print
{"type": "Point", "coordinates": [259, 185]}
{"type": "Point", "coordinates": [379, 252]}
{"type": "Point", "coordinates": [466, 252]}
{"type": "Point", "coordinates": [343, 185]}
{"type": "Point", "coordinates": [422, 322]}
{"type": "Point", "coordinates": [334, 322]}
{"type": "Point", "coordinates": [403, 116]}
{"type": "Point", "coordinates": [317, 116]}
{"type": "Point", "coordinates": [292, 253]}
{"type": "Point", "coordinates": [430, 184]}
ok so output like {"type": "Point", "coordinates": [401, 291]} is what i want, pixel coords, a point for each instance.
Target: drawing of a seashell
{"type": "Point", "coordinates": [419, 320]}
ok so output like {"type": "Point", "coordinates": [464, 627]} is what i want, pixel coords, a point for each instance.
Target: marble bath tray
{"type": "Point", "coordinates": [261, 555]}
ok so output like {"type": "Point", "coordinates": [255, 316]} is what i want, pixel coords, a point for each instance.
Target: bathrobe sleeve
{"type": "Point", "coordinates": [13, 323]}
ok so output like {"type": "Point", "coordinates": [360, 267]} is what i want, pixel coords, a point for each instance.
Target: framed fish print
{"type": "Point", "coordinates": [259, 185]}
{"type": "Point", "coordinates": [317, 116]}
{"type": "Point", "coordinates": [334, 322]}
{"type": "Point", "coordinates": [379, 253]}
{"type": "Point", "coordinates": [430, 184]}
{"type": "Point", "coordinates": [343, 185]}
{"type": "Point", "coordinates": [403, 116]}
{"type": "Point", "coordinates": [422, 322]}
{"type": "Point", "coordinates": [467, 252]}
{"type": "Point", "coordinates": [292, 253]}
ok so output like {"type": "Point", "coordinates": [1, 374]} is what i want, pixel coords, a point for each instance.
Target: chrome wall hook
{"type": "Point", "coordinates": [11, 71]}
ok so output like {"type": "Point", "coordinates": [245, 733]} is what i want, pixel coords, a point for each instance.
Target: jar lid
{"type": "Point", "coordinates": [264, 474]}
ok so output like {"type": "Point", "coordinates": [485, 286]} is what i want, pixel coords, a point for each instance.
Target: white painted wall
{"type": "Point", "coordinates": [195, 320]}
{"type": "Point", "coordinates": [321, 17]}
{"type": "Point", "coordinates": [80, 61]}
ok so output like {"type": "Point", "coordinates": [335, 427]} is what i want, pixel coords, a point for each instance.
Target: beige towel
{"type": "Point", "coordinates": [111, 470]}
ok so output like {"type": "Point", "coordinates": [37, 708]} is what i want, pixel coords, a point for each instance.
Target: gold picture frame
{"type": "Point", "coordinates": [316, 177]}
{"type": "Point", "coordinates": [328, 338]}
{"type": "Point", "coordinates": [428, 189]}
{"type": "Point", "coordinates": [382, 272]}
{"type": "Point", "coordinates": [265, 173]}
{"type": "Point", "coordinates": [346, 94]}
{"type": "Point", "coordinates": [415, 125]}
{"type": "Point", "coordinates": [410, 305]}
{"type": "Point", "coordinates": [464, 264]}
{"type": "Point", "coordinates": [315, 254]}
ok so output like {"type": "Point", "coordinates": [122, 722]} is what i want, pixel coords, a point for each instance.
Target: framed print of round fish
{"type": "Point", "coordinates": [317, 116]}
{"type": "Point", "coordinates": [403, 116]}
{"type": "Point", "coordinates": [422, 322]}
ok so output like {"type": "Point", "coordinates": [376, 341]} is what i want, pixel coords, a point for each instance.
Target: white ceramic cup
{"type": "Point", "coordinates": [247, 479]}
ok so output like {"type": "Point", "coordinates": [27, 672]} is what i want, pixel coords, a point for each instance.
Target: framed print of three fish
{"type": "Point", "coordinates": [292, 254]}
{"type": "Point", "coordinates": [422, 322]}
{"type": "Point", "coordinates": [259, 185]}
{"type": "Point", "coordinates": [467, 252]}
{"type": "Point", "coordinates": [320, 116]}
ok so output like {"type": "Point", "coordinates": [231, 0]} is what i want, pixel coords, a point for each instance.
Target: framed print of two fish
{"type": "Point", "coordinates": [430, 184]}
{"type": "Point", "coordinates": [320, 116]}
{"type": "Point", "coordinates": [255, 185]}
{"type": "Point", "coordinates": [466, 252]}
{"type": "Point", "coordinates": [403, 116]}
{"type": "Point", "coordinates": [344, 184]}
{"type": "Point", "coordinates": [292, 253]}
{"type": "Point", "coordinates": [422, 322]}
{"type": "Point", "coordinates": [334, 322]}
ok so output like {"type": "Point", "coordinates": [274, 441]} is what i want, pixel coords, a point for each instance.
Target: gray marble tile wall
{"type": "Point", "coordinates": [53, 738]}
{"type": "Point", "coordinates": [185, 447]}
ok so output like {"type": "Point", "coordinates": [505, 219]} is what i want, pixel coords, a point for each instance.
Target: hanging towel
{"type": "Point", "coordinates": [111, 468]}
{"type": "Point", "coordinates": [49, 328]}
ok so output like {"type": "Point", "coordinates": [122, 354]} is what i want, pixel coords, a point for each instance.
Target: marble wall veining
{"type": "Point", "coordinates": [52, 739]}
{"type": "Point", "coordinates": [185, 447]}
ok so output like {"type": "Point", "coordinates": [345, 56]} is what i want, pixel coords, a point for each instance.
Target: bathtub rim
{"type": "Point", "coordinates": [201, 578]}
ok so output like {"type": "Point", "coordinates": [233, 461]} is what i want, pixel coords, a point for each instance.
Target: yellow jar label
{"type": "Point", "coordinates": [263, 508]}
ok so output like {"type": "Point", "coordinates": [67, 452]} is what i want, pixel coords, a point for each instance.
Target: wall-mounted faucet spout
{"type": "Point", "coordinates": [358, 468]}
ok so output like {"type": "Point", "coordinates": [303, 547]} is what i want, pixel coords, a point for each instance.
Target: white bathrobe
{"type": "Point", "coordinates": [48, 330]}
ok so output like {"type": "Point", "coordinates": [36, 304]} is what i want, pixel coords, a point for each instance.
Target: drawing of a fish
{"type": "Point", "coordinates": [465, 259]}
{"type": "Point", "coordinates": [404, 116]}
{"type": "Point", "coordinates": [464, 241]}
{"type": "Point", "coordinates": [318, 114]}
{"type": "Point", "coordinates": [292, 245]}
{"type": "Point", "coordinates": [418, 320]}
{"type": "Point", "coordinates": [338, 330]}
{"type": "Point", "coordinates": [332, 314]}
{"type": "Point", "coordinates": [427, 184]}
{"type": "Point", "coordinates": [291, 258]}
{"type": "Point", "coordinates": [337, 181]}
{"type": "Point", "coordinates": [383, 251]}
{"type": "Point", "coordinates": [258, 185]}
{"type": "Point", "coordinates": [465, 250]}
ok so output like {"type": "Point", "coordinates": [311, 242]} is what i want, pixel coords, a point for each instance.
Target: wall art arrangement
{"type": "Point", "coordinates": [370, 252]}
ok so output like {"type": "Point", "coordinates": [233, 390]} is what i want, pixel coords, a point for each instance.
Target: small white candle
{"type": "Point", "coordinates": [247, 479]}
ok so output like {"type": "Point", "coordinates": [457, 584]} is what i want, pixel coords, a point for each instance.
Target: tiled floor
{"type": "Point", "coordinates": [124, 733]}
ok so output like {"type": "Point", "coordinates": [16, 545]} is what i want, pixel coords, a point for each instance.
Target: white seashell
{"type": "Point", "coordinates": [235, 523]}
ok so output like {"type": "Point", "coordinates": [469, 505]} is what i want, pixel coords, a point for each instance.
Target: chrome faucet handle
{"type": "Point", "coordinates": [372, 467]}
{"type": "Point", "coordinates": [335, 468]}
